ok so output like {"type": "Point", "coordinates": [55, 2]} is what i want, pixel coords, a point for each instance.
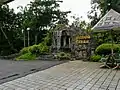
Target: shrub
{"type": "Point", "coordinates": [105, 49]}
{"type": "Point", "coordinates": [35, 49]}
{"type": "Point", "coordinates": [26, 56]}
{"type": "Point", "coordinates": [63, 55]}
{"type": "Point", "coordinates": [30, 53]}
{"type": "Point", "coordinates": [43, 48]}
{"type": "Point", "coordinates": [95, 58]}
{"type": "Point", "coordinates": [24, 50]}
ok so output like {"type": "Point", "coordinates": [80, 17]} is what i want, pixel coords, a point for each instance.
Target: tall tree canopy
{"type": "Point", "coordinates": [39, 16]}
{"type": "Point", "coordinates": [10, 32]}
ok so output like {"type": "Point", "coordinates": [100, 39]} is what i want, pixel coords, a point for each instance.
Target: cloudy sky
{"type": "Point", "coordinates": [78, 7]}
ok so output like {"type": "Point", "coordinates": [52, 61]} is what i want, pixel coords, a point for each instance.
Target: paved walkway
{"type": "Point", "coordinates": [10, 70]}
{"type": "Point", "coordinates": [73, 75]}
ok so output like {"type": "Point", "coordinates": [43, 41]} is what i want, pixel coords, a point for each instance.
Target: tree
{"type": "Point", "coordinates": [105, 5]}
{"type": "Point", "coordinates": [81, 24]}
{"type": "Point", "coordinates": [9, 30]}
{"type": "Point", "coordinates": [40, 15]}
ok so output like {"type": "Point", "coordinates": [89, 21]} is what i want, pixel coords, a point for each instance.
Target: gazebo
{"type": "Point", "coordinates": [109, 23]}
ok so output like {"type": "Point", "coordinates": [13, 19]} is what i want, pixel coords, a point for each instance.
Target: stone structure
{"type": "Point", "coordinates": [63, 40]}
{"type": "Point", "coordinates": [67, 40]}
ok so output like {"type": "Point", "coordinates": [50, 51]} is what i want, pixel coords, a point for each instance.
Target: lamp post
{"type": "Point", "coordinates": [28, 29]}
{"type": "Point", "coordinates": [24, 36]}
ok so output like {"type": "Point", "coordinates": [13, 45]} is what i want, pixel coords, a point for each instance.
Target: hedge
{"type": "Point", "coordinates": [32, 52]}
{"type": "Point", "coordinates": [105, 49]}
{"type": "Point", "coordinates": [35, 49]}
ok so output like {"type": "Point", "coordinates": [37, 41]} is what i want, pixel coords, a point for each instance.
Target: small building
{"type": "Point", "coordinates": [63, 40]}
{"type": "Point", "coordinates": [70, 39]}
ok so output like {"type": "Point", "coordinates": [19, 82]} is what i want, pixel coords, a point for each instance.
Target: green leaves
{"type": "Point", "coordinates": [39, 16]}
{"type": "Point", "coordinates": [42, 14]}
{"type": "Point", "coordinates": [105, 49]}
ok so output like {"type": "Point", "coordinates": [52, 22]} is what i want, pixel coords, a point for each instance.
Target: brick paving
{"type": "Point", "coordinates": [73, 75]}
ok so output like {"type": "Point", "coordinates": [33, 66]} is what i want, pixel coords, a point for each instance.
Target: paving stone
{"type": "Point", "coordinates": [75, 75]}
{"type": "Point", "coordinates": [118, 89]}
{"type": "Point", "coordinates": [94, 88]}
{"type": "Point", "coordinates": [20, 89]}
{"type": "Point", "coordinates": [76, 89]}
{"type": "Point", "coordinates": [8, 88]}
{"type": "Point", "coordinates": [101, 89]}
{"type": "Point", "coordinates": [111, 89]}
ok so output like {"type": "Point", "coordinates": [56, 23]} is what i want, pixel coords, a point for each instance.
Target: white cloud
{"type": "Point", "coordinates": [16, 3]}
{"type": "Point", "coordinates": [78, 7]}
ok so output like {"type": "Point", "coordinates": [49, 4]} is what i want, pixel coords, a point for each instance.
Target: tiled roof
{"type": "Point", "coordinates": [109, 21]}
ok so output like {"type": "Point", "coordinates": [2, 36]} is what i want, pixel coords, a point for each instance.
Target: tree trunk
{"type": "Point", "coordinates": [36, 38]}
{"type": "Point", "coordinates": [6, 37]}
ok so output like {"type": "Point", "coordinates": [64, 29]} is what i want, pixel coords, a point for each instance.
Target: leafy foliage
{"type": "Point", "coordinates": [48, 39]}
{"type": "Point", "coordinates": [106, 5]}
{"type": "Point", "coordinates": [24, 50]}
{"type": "Point", "coordinates": [105, 49]}
{"type": "Point", "coordinates": [36, 49]}
{"type": "Point", "coordinates": [63, 56]}
{"type": "Point", "coordinates": [27, 56]}
{"type": "Point", "coordinates": [32, 52]}
{"type": "Point", "coordinates": [9, 31]}
{"type": "Point", "coordinates": [43, 48]}
{"type": "Point", "coordinates": [95, 58]}
{"type": "Point", "coordinates": [39, 16]}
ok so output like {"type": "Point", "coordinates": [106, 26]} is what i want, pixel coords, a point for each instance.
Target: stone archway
{"type": "Point", "coordinates": [65, 39]}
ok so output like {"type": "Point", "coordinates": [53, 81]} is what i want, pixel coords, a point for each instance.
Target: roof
{"type": "Point", "coordinates": [5, 1]}
{"type": "Point", "coordinates": [109, 21]}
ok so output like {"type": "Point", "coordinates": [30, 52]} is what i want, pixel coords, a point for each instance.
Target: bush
{"type": "Point", "coordinates": [43, 48]}
{"type": "Point", "coordinates": [95, 58]}
{"type": "Point", "coordinates": [24, 50]}
{"type": "Point", "coordinates": [30, 53]}
{"type": "Point", "coordinates": [105, 49]}
{"type": "Point", "coordinates": [35, 49]}
{"type": "Point", "coordinates": [63, 55]}
{"type": "Point", "coordinates": [27, 56]}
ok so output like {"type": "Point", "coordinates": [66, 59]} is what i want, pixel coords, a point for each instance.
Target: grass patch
{"type": "Point", "coordinates": [26, 56]}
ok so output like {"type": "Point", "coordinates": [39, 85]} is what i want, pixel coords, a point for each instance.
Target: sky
{"type": "Point", "coordinates": [77, 7]}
